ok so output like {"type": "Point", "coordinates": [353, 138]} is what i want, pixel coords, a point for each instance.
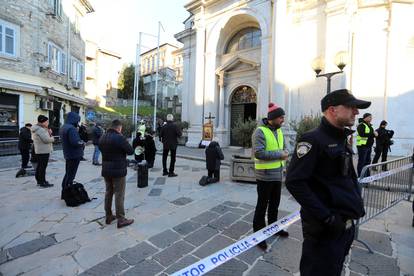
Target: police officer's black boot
{"type": "Point", "coordinates": [282, 233]}
{"type": "Point", "coordinates": [413, 222]}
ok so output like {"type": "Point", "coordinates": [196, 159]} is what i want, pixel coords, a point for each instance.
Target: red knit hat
{"type": "Point", "coordinates": [274, 111]}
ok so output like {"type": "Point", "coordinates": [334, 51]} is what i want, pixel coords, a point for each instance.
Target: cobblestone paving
{"type": "Point", "coordinates": [175, 226]}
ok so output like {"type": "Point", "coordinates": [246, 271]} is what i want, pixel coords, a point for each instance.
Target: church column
{"type": "Point", "coordinates": [264, 88]}
{"type": "Point", "coordinates": [222, 103]}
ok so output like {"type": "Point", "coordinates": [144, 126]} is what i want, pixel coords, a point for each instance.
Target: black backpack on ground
{"type": "Point", "coordinates": [75, 195]}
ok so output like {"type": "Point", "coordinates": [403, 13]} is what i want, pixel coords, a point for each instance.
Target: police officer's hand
{"type": "Point", "coordinates": [335, 224]}
{"type": "Point", "coordinates": [285, 155]}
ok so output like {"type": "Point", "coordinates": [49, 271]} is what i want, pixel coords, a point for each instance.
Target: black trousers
{"type": "Point", "coordinates": [71, 167]}
{"type": "Point", "coordinates": [25, 153]}
{"type": "Point", "coordinates": [42, 161]}
{"type": "Point", "coordinates": [172, 161]}
{"type": "Point", "coordinates": [268, 198]}
{"type": "Point", "coordinates": [215, 173]}
{"type": "Point", "coordinates": [383, 152]}
{"type": "Point", "coordinates": [325, 256]}
{"type": "Point", "coordinates": [364, 158]}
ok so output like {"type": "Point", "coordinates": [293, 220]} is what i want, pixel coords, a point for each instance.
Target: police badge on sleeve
{"type": "Point", "coordinates": [303, 148]}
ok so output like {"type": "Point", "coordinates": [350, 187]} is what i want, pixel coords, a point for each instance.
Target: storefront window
{"type": "Point", "coordinates": [9, 115]}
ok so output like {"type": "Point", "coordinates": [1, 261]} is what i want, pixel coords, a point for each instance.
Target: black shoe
{"type": "Point", "coordinates": [172, 175]}
{"type": "Point", "coordinates": [27, 167]}
{"type": "Point", "coordinates": [262, 245]}
{"type": "Point", "coordinates": [165, 173]}
{"type": "Point", "coordinates": [45, 185]}
{"type": "Point", "coordinates": [413, 221]}
{"type": "Point", "coordinates": [83, 159]}
{"type": "Point", "coordinates": [282, 233]}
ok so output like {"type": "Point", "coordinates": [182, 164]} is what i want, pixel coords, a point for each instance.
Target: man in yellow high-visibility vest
{"type": "Point", "coordinates": [365, 140]}
{"type": "Point", "coordinates": [269, 154]}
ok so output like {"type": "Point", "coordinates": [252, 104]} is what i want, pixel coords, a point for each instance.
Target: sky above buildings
{"type": "Point", "coordinates": [115, 25]}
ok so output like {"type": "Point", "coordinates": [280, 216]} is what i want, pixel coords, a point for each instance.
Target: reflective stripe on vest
{"type": "Point", "coordinates": [271, 145]}
{"type": "Point", "coordinates": [362, 141]}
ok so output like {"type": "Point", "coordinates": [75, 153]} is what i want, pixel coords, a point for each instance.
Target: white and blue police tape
{"type": "Point", "coordinates": [220, 257]}
{"type": "Point", "coordinates": [381, 175]}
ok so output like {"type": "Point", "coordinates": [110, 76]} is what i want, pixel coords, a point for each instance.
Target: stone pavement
{"type": "Point", "coordinates": [177, 222]}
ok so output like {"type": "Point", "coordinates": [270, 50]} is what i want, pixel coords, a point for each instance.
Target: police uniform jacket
{"type": "Point", "coordinates": [321, 176]}
{"type": "Point", "coordinates": [370, 135]}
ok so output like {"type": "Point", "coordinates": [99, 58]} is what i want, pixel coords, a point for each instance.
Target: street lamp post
{"type": "Point", "coordinates": [318, 65]}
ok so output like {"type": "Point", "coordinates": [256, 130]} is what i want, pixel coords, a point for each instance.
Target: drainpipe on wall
{"type": "Point", "coordinates": [68, 57]}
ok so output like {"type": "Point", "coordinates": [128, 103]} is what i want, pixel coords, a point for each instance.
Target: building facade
{"type": "Point", "coordinates": [240, 55]}
{"type": "Point", "coordinates": [169, 75]}
{"type": "Point", "coordinates": [42, 56]}
{"type": "Point", "coordinates": [102, 69]}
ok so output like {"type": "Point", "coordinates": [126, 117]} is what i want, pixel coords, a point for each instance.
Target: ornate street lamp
{"type": "Point", "coordinates": [318, 64]}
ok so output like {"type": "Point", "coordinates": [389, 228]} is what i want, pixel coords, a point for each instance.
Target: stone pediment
{"type": "Point", "coordinates": [236, 64]}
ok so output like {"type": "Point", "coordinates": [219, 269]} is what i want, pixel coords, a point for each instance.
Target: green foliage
{"type": "Point", "coordinates": [243, 131]}
{"type": "Point", "coordinates": [126, 81]}
{"type": "Point", "coordinates": [305, 124]}
{"type": "Point", "coordinates": [183, 124]}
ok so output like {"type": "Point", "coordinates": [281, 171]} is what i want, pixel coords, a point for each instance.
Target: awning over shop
{"type": "Point", "coordinates": [20, 86]}
{"type": "Point", "coordinates": [66, 96]}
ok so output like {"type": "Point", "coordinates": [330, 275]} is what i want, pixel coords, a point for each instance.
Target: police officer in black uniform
{"type": "Point", "coordinates": [322, 178]}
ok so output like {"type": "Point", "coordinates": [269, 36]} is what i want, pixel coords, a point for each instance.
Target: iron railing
{"type": "Point", "coordinates": [383, 185]}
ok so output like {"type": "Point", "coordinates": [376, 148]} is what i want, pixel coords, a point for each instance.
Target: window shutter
{"type": "Point", "coordinates": [63, 63]}
{"type": "Point", "coordinates": [49, 53]}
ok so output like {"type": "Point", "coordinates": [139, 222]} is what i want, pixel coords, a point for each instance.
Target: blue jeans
{"type": "Point", "coordinates": [96, 153]}
{"type": "Point", "coordinates": [364, 158]}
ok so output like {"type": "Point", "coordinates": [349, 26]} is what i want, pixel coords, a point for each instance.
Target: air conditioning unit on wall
{"type": "Point", "coordinates": [46, 105]}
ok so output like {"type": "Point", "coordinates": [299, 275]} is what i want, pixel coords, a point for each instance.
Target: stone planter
{"type": "Point", "coordinates": [242, 169]}
{"type": "Point", "coordinates": [184, 138]}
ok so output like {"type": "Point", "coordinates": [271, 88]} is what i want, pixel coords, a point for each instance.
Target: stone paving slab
{"type": "Point", "coordinates": [372, 264]}
{"type": "Point", "coordinates": [201, 235]}
{"type": "Point", "coordinates": [138, 253]}
{"type": "Point", "coordinates": [377, 241]}
{"type": "Point", "coordinates": [237, 230]}
{"type": "Point", "coordinates": [155, 192]}
{"type": "Point", "coordinates": [31, 247]}
{"type": "Point", "coordinates": [224, 221]}
{"type": "Point", "coordinates": [164, 239]}
{"type": "Point", "coordinates": [159, 181]}
{"type": "Point", "coordinates": [173, 253]}
{"type": "Point", "coordinates": [233, 267]}
{"type": "Point", "coordinates": [285, 252]}
{"type": "Point", "coordinates": [264, 268]}
{"type": "Point", "coordinates": [182, 201]}
{"type": "Point", "coordinates": [110, 266]}
{"type": "Point", "coordinates": [187, 227]}
{"type": "Point", "coordinates": [147, 267]}
{"type": "Point", "coordinates": [205, 217]}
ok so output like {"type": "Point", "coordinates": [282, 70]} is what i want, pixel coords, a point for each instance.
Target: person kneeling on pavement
{"type": "Point", "coordinates": [214, 155]}
{"type": "Point", "coordinates": [114, 148]}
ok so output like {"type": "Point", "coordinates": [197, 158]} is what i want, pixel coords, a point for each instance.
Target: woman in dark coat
{"type": "Point", "coordinates": [139, 146]}
{"type": "Point", "coordinates": [150, 148]}
{"type": "Point", "coordinates": [214, 155]}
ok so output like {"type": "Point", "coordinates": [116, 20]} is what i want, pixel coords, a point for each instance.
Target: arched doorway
{"type": "Point", "coordinates": [243, 107]}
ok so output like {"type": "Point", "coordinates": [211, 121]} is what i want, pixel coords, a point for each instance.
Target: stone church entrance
{"type": "Point", "coordinates": [243, 108]}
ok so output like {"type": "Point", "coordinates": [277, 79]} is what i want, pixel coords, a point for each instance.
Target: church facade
{"type": "Point", "coordinates": [239, 55]}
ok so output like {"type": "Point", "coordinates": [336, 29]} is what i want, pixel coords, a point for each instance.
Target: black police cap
{"type": "Point", "coordinates": [342, 97]}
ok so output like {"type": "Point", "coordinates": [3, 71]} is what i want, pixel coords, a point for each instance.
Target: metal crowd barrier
{"type": "Point", "coordinates": [10, 147]}
{"type": "Point", "coordinates": [383, 185]}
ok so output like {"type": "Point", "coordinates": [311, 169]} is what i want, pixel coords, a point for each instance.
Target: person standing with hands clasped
{"type": "Point", "coordinates": [269, 154]}
{"type": "Point", "coordinates": [43, 145]}
{"type": "Point", "coordinates": [365, 140]}
{"type": "Point", "coordinates": [321, 177]}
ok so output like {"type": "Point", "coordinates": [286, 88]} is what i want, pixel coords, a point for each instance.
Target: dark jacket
{"type": "Point", "coordinates": [169, 135]}
{"type": "Point", "coordinates": [71, 142]}
{"type": "Point", "coordinates": [150, 149]}
{"type": "Point", "coordinates": [25, 139]}
{"type": "Point", "coordinates": [114, 148]}
{"type": "Point", "coordinates": [83, 133]}
{"type": "Point", "coordinates": [384, 137]}
{"type": "Point", "coordinates": [138, 141]}
{"type": "Point", "coordinates": [321, 176]}
{"type": "Point", "coordinates": [96, 134]}
{"type": "Point", "coordinates": [214, 155]}
{"type": "Point", "coordinates": [370, 135]}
